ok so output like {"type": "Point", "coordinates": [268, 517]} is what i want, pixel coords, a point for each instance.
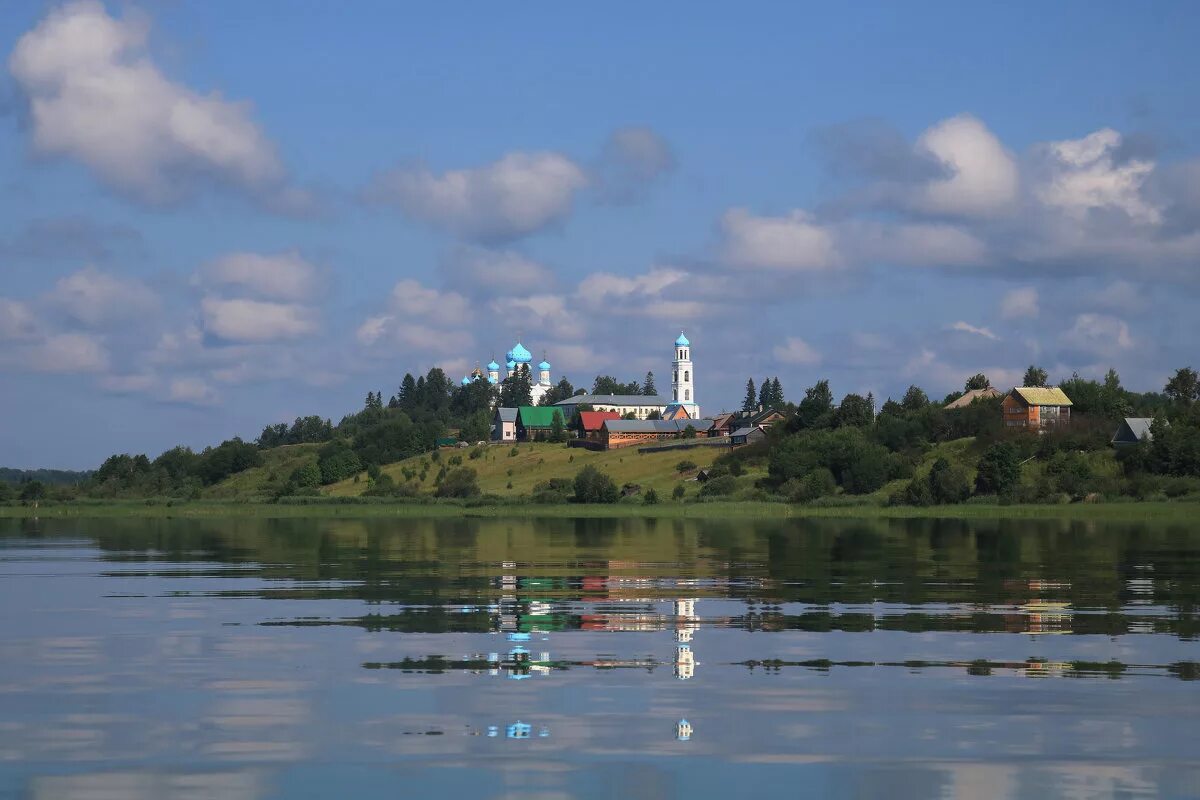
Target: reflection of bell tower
{"type": "Point", "coordinates": [683, 730]}
{"type": "Point", "coordinates": [685, 619]}
{"type": "Point", "coordinates": [685, 662]}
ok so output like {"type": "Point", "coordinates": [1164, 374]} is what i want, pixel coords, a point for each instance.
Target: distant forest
{"type": "Point", "coordinates": [50, 477]}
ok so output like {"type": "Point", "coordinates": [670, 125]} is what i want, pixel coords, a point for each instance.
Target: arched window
{"type": "Point", "coordinates": [675, 395]}
{"type": "Point", "coordinates": [686, 376]}
{"type": "Point", "coordinates": [687, 395]}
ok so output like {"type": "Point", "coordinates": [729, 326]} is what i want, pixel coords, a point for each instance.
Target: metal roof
{"type": "Point", "coordinates": [745, 431]}
{"type": "Point", "coordinates": [594, 420]}
{"type": "Point", "coordinates": [615, 400]}
{"type": "Point", "coordinates": [507, 414]}
{"type": "Point", "coordinates": [657, 425]}
{"type": "Point", "coordinates": [1043, 395]}
{"type": "Point", "coordinates": [538, 416]}
{"type": "Point", "coordinates": [1139, 427]}
{"type": "Point", "coordinates": [972, 396]}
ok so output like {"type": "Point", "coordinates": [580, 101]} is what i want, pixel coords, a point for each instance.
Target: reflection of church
{"type": "Point", "coordinates": [686, 623]}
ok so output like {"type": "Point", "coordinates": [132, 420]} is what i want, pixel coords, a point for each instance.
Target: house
{"type": "Point", "coordinates": [761, 418]}
{"type": "Point", "coordinates": [1133, 430]}
{"type": "Point", "coordinates": [504, 425]}
{"type": "Point", "coordinates": [535, 423]}
{"type": "Point", "coordinates": [746, 435]}
{"type": "Point", "coordinates": [975, 394]}
{"type": "Point", "coordinates": [640, 405]}
{"type": "Point", "coordinates": [1036, 407]}
{"type": "Point", "coordinates": [591, 424]}
{"type": "Point", "coordinates": [628, 432]}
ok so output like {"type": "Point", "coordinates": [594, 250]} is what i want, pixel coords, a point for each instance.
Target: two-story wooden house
{"type": "Point", "coordinates": [1036, 407]}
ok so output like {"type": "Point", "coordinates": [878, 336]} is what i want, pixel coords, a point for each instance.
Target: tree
{"type": "Point", "coordinates": [593, 486]}
{"type": "Point", "coordinates": [816, 407]}
{"type": "Point", "coordinates": [1034, 376]}
{"type": "Point", "coordinates": [6, 492]}
{"type": "Point", "coordinates": [914, 399]}
{"type": "Point", "coordinates": [688, 432]}
{"type": "Point", "coordinates": [461, 482]}
{"type": "Point", "coordinates": [650, 498]}
{"type": "Point", "coordinates": [306, 476]}
{"type": "Point", "coordinates": [558, 431]}
{"type": "Point", "coordinates": [1184, 386]}
{"type": "Point", "coordinates": [947, 483]}
{"type": "Point", "coordinates": [33, 492]}
{"type": "Point", "coordinates": [977, 381]}
{"type": "Point", "coordinates": [764, 393]}
{"type": "Point", "coordinates": [751, 399]}
{"type": "Point", "coordinates": [406, 399]}
{"type": "Point", "coordinates": [999, 470]}
{"type": "Point", "coordinates": [477, 427]}
{"type": "Point", "coordinates": [855, 410]}
{"type": "Point", "coordinates": [607, 384]}
{"type": "Point", "coordinates": [648, 387]}
{"type": "Point", "coordinates": [560, 391]}
{"type": "Point", "coordinates": [516, 390]}
{"type": "Point", "coordinates": [337, 462]}
{"type": "Point", "coordinates": [777, 399]}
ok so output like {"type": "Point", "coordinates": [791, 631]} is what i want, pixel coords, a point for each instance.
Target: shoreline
{"type": "Point", "coordinates": [1127, 511]}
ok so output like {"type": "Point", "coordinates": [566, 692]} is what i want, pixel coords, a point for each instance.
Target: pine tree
{"type": "Point", "coordinates": [764, 393]}
{"type": "Point", "coordinates": [407, 396]}
{"type": "Point", "coordinates": [751, 396]}
{"type": "Point", "coordinates": [776, 393]}
{"type": "Point", "coordinates": [648, 388]}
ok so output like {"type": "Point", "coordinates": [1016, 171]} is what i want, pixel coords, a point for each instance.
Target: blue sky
{"type": "Point", "coordinates": [220, 215]}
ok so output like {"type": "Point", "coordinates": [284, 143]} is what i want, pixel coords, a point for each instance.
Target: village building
{"type": "Point", "coordinates": [515, 360]}
{"type": "Point", "coordinates": [639, 405]}
{"type": "Point", "coordinates": [535, 423]}
{"type": "Point", "coordinates": [748, 435]}
{"type": "Point", "coordinates": [975, 394]}
{"type": "Point", "coordinates": [1133, 430]}
{"type": "Point", "coordinates": [591, 424]}
{"type": "Point", "coordinates": [629, 432]}
{"type": "Point", "coordinates": [504, 425]}
{"type": "Point", "coordinates": [759, 419]}
{"type": "Point", "coordinates": [1036, 407]}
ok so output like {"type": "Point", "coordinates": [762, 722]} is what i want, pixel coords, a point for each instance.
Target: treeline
{"type": "Point", "coordinates": [825, 448]}
{"type": "Point", "coordinates": [48, 477]}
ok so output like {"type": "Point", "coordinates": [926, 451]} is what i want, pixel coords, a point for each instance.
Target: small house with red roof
{"type": "Point", "coordinates": [591, 424]}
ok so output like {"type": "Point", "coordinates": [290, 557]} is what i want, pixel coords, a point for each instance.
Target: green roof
{"type": "Point", "coordinates": [538, 416]}
{"type": "Point", "coordinates": [1043, 396]}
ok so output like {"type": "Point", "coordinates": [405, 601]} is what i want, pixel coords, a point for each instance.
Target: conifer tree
{"type": "Point", "coordinates": [751, 396]}
{"type": "Point", "coordinates": [648, 388]}
{"type": "Point", "coordinates": [776, 392]}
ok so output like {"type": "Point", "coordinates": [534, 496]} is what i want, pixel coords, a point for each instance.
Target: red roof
{"type": "Point", "coordinates": [594, 420]}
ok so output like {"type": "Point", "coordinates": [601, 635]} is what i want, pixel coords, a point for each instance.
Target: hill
{"type": "Point", "coordinates": [268, 478]}
{"type": "Point", "coordinates": [504, 473]}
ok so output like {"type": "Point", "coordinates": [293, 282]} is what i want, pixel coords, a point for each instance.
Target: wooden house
{"type": "Point", "coordinates": [1036, 407]}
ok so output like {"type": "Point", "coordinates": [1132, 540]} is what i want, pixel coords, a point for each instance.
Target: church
{"type": "Point", "coordinates": [681, 404]}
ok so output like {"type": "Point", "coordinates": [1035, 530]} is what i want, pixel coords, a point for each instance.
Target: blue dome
{"type": "Point", "coordinates": [493, 366]}
{"type": "Point", "coordinates": [492, 380]}
{"type": "Point", "coordinates": [511, 364]}
{"type": "Point", "coordinates": [466, 381]}
{"type": "Point", "coordinates": [682, 341]}
{"type": "Point", "coordinates": [520, 354]}
{"type": "Point", "coordinates": [544, 365]}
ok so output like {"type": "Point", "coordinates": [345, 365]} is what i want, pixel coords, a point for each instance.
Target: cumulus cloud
{"type": "Point", "coordinates": [279, 276]}
{"type": "Point", "coordinates": [192, 391]}
{"type": "Point", "coordinates": [982, 177]}
{"type": "Point", "coordinates": [1098, 334]}
{"type": "Point", "coordinates": [480, 271]}
{"type": "Point", "coordinates": [791, 243]}
{"type": "Point", "coordinates": [966, 327]}
{"type": "Point", "coordinates": [632, 159]}
{"type": "Point", "coordinates": [520, 194]}
{"type": "Point", "coordinates": [917, 244]}
{"type": "Point", "coordinates": [1022, 302]}
{"type": "Point", "coordinates": [16, 321]}
{"type": "Point", "coordinates": [426, 321]}
{"type": "Point", "coordinates": [1083, 175]}
{"type": "Point", "coordinates": [95, 95]}
{"type": "Point", "coordinates": [71, 237]}
{"type": "Point", "coordinates": [96, 298]}
{"type": "Point", "coordinates": [69, 352]}
{"type": "Point", "coordinates": [133, 383]}
{"type": "Point", "coordinates": [244, 320]}
{"type": "Point", "coordinates": [667, 293]}
{"type": "Point", "coordinates": [795, 350]}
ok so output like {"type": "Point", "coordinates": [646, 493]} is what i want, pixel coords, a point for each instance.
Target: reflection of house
{"type": "Point", "coordinates": [504, 425]}
{"type": "Point", "coordinates": [1133, 430]}
{"type": "Point", "coordinates": [1036, 407]}
{"type": "Point", "coordinates": [975, 394]}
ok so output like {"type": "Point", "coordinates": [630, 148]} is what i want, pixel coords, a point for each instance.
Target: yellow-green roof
{"type": "Point", "coordinates": [1043, 395]}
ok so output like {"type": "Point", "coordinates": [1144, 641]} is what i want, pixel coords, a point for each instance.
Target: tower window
{"type": "Point", "coordinates": [675, 394]}
{"type": "Point", "coordinates": [687, 395]}
{"type": "Point", "coordinates": [677, 376]}
{"type": "Point", "coordinates": [686, 375]}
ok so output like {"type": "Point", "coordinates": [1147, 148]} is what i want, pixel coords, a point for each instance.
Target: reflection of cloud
{"type": "Point", "coordinates": [150, 785]}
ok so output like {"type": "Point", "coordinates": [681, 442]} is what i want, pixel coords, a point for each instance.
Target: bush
{"type": "Point", "coordinates": [650, 498]}
{"type": "Point", "coordinates": [553, 491]}
{"type": "Point", "coordinates": [461, 482]}
{"type": "Point", "coordinates": [720, 486]}
{"type": "Point", "coordinates": [999, 470]}
{"type": "Point", "coordinates": [514, 452]}
{"type": "Point", "coordinates": [338, 464]}
{"type": "Point", "coordinates": [818, 483]}
{"type": "Point", "coordinates": [476, 452]}
{"type": "Point", "coordinates": [593, 486]}
{"type": "Point", "coordinates": [306, 476]}
{"type": "Point", "coordinates": [678, 492]}
{"type": "Point", "coordinates": [948, 483]}
{"type": "Point", "coordinates": [685, 466]}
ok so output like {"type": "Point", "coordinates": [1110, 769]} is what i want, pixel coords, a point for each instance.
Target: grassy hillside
{"type": "Point", "coordinates": [278, 464]}
{"type": "Point", "coordinates": [535, 463]}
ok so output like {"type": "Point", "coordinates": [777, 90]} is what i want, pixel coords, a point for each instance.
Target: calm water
{"type": "Point", "coordinates": [556, 659]}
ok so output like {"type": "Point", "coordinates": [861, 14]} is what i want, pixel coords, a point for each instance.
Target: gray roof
{"type": "Point", "coordinates": [1138, 426]}
{"type": "Point", "coordinates": [615, 400]}
{"type": "Point", "coordinates": [746, 431]}
{"type": "Point", "coordinates": [656, 425]}
{"type": "Point", "coordinates": [507, 414]}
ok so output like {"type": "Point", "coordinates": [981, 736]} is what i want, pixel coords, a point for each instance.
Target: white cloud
{"type": "Point", "coordinates": [600, 288]}
{"type": "Point", "coordinates": [791, 243]}
{"type": "Point", "coordinates": [1099, 334]}
{"type": "Point", "coordinates": [95, 298]}
{"type": "Point", "coordinates": [479, 271]}
{"type": "Point", "coordinates": [69, 352]}
{"type": "Point", "coordinates": [546, 313]}
{"type": "Point", "coordinates": [1082, 175]}
{"type": "Point", "coordinates": [913, 244]}
{"type": "Point", "coordinates": [1119, 296]}
{"type": "Point", "coordinates": [135, 383]}
{"type": "Point", "coordinates": [96, 96]}
{"type": "Point", "coordinates": [411, 298]}
{"type": "Point", "coordinates": [966, 327]}
{"type": "Point", "coordinates": [520, 194]}
{"type": "Point", "coordinates": [242, 320]}
{"type": "Point", "coordinates": [1021, 302]}
{"type": "Point", "coordinates": [982, 177]}
{"type": "Point", "coordinates": [632, 159]}
{"type": "Point", "coordinates": [280, 276]}
{"type": "Point", "coordinates": [192, 391]}
{"type": "Point", "coordinates": [796, 351]}
{"type": "Point", "coordinates": [425, 320]}
{"type": "Point", "coordinates": [16, 321]}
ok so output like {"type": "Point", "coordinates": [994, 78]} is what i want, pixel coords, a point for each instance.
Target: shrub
{"type": "Point", "coordinates": [455, 460]}
{"type": "Point", "coordinates": [685, 466]}
{"type": "Point", "coordinates": [818, 483]}
{"type": "Point", "coordinates": [513, 452]}
{"type": "Point", "coordinates": [307, 475]}
{"type": "Point", "coordinates": [476, 452]}
{"type": "Point", "coordinates": [948, 483]}
{"type": "Point", "coordinates": [461, 482]}
{"type": "Point", "coordinates": [555, 490]}
{"type": "Point", "coordinates": [338, 464]}
{"type": "Point", "coordinates": [593, 486]}
{"type": "Point", "coordinates": [678, 492]}
{"type": "Point", "coordinates": [999, 470]}
{"type": "Point", "coordinates": [720, 486]}
{"type": "Point", "coordinates": [650, 498]}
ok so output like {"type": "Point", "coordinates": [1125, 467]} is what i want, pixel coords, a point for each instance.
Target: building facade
{"type": "Point", "coordinates": [515, 360]}
{"type": "Point", "coordinates": [683, 377]}
{"type": "Point", "coordinates": [1036, 407]}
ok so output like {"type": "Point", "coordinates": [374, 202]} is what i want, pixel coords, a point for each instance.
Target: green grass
{"type": "Point", "coordinates": [1128, 511]}
{"type": "Point", "coordinates": [263, 481]}
{"type": "Point", "coordinates": [536, 463]}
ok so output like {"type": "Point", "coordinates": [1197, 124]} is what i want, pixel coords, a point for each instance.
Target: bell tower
{"type": "Point", "coordinates": [683, 377]}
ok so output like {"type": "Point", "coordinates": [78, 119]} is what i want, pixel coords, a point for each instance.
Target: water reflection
{"type": "Point", "coordinates": [583, 658]}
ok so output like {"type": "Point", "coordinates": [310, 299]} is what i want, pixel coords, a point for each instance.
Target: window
{"type": "Point", "coordinates": [676, 376]}
{"type": "Point", "coordinates": [675, 394]}
{"type": "Point", "coordinates": [687, 395]}
{"type": "Point", "coordinates": [686, 376]}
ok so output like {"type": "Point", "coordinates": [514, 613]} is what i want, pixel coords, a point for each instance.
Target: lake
{"type": "Point", "coordinates": [150, 658]}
